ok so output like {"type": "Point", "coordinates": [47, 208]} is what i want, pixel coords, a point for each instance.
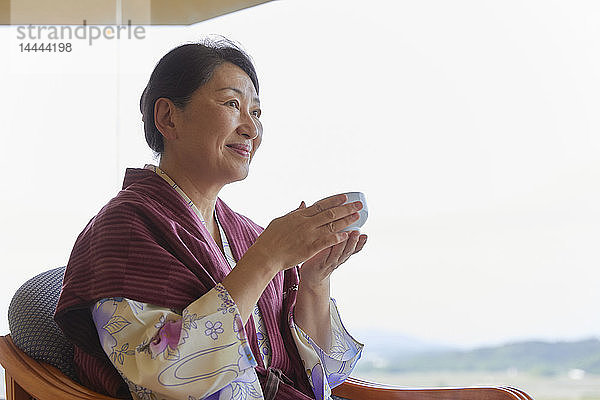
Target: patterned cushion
{"type": "Point", "coordinates": [31, 321]}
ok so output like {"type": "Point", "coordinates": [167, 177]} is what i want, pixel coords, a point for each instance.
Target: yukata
{"type": "Point", "coordinates": [202, 351]}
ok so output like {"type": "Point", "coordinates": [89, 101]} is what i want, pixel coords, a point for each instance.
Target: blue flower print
{"type": "Point", "coordinates": [101, 314]}
{"type": "Point", "coordinates": [244, 387]}
{"type": "Point", "coordinates": [107, 322]}
{"type": "Point", "coordinates": [336, 379]}
{"type": "Point", "coordinates": [213, 330]}
{"type": "Point", "coordinates": [265, 351]}
{"type": "Point", "coordinates": [316, 376]}
{"type": "Point", "coordinates": [228, 305]}
{"type": "Point", "coordinates": [214, 396]}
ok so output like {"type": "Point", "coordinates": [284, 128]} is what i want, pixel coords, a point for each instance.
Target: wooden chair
{"type": "Point", "coordinates": [28, 379]}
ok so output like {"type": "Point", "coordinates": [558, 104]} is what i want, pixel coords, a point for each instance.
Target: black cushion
{"type": "Point", "coordinates": [31, 321]}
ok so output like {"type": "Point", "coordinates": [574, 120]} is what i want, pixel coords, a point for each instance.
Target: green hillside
{"type": "Point", "coordinates": [540, 358]}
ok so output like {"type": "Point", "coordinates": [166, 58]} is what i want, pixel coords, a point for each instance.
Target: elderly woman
{"type": "Point", "coordinates": [169, 294]}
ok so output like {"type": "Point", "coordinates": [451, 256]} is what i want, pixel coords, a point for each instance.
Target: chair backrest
{"type": "Point", "coordinates": [31, 321]}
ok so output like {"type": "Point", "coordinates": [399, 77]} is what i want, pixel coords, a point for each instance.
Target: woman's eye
{"type": "Point", "coordinates": [234, 102]}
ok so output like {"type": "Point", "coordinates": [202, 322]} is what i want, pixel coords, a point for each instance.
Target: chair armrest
{"type": "Point", "coordinates": [357, 389]}
{"type": "Point", "coordinates": [40, 380]}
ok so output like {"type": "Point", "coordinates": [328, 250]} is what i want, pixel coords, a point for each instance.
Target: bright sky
{"type": "Point", "coordinates": [471, 126]}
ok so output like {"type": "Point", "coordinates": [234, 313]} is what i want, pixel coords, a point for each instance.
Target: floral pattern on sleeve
{"type": "Point", "coordinates": [327, 369]}
{"type": "Point", "coordinates": [203, 353]}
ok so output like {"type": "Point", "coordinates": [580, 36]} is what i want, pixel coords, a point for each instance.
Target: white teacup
{"type": "Point", "coordinates": [363, 212]}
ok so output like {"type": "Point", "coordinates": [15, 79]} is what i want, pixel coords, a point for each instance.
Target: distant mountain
{"type": "Point", "coordinates": [544, 358]}
{"type": "Point", "coordinates": [381, 348]}
{"type": "Point", "coordinates": [398, 344]}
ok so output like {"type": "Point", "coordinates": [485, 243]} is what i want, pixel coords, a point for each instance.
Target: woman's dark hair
{"type": "Point", "coordinates": [183, 70]}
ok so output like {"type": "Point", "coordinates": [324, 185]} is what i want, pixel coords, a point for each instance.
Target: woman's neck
{"type": "Point", "coordinates": [203, 194]}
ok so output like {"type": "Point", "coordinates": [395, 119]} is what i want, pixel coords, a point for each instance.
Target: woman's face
{"type": "Point", "coordinates": [219, 130]}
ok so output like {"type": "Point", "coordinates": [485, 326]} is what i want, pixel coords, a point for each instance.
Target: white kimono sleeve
{"type": "Point", "coordinates": [327, 369]}
{"type": "Point", "coordinates": [163, 355]}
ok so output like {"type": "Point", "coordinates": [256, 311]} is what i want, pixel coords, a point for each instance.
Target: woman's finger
{"type": "Point", "coordinates": [361, 242]}
{"type": "Point", "coordinates": [337, 225]}
{"type": "Point", "coordinates": [351, 243]}
{"type": "Point", "coordinates": [336, 252]}
{"type": "Point", "coordinates": [300, 207]}
{"type": "Point", "coordinates": [325, 204]}
{"type": "Point", "coordinates": [350, 247]}
{"type": "Point", "coordinates": [337, 213]}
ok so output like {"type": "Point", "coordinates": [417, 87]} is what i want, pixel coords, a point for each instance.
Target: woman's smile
{"type": "Point", "coordinates": [240, 149]}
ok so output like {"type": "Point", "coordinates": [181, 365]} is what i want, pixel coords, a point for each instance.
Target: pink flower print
{"type": "Point", "coordinates": [213, 330]}
{"type": "Point", "coordinates": [168, 335]}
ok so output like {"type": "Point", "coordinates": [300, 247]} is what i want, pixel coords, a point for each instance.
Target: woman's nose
{"type": "Point", "coordinates": [249, 128]}
{"type": "Point", "coordinates": [248, 133]}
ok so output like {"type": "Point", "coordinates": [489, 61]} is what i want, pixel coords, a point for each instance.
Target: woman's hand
{"type": "Point", "coordinates": [316, 270]}
{"type": "Point", "coordinates": [286, 242]}
{"type": "Point", "coordinates": [312, 312]}
{"type": "Point", "coordinates": [299, 235]}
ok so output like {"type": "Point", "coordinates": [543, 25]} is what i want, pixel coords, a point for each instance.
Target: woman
{"type": "Point", "coordinates": [169, 294]}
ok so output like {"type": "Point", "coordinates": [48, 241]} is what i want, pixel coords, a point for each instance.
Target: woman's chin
{"type": "Point", "coordinates": [240, 175]}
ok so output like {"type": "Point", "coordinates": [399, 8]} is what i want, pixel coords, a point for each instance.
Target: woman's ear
{"type": "Point", "coordinates": [164, 118]}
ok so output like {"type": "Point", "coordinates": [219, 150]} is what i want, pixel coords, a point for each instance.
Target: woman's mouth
{"type": "Point", "coordinates": [242, 151]}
